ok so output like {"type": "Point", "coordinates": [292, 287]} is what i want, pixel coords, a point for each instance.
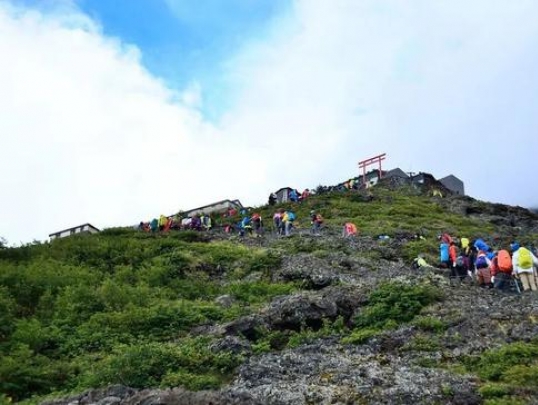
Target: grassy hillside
{"type": "Point", "coordinates": [88, 310]}
{"type": "Point", "coordinates": [121, 306]}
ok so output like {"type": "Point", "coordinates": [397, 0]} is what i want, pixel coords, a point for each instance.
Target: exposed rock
{"type": "Point", "coordinates": [314, 272]}
{"type": "Point", "coordinates": [334, 374]}
{"type": "Point", "coordinates": [298, 310]}
{"type": "Point", "coordinates": [232, 344]}
{"type": "Point", "coordinates": [225, 301]}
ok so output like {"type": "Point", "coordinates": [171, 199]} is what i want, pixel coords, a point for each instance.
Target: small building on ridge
{"type": "Point", "coordinates": [84, 228]}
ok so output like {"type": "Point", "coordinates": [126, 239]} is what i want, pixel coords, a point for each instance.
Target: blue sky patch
{"type": "Point", "coordinates": [185, 41]}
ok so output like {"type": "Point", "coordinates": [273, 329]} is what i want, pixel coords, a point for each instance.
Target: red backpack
{"type": "Point", "coordinates": [504, 261]}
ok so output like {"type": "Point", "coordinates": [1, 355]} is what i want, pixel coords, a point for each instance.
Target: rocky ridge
{"type": "Point", "coordinates": [423, 361]}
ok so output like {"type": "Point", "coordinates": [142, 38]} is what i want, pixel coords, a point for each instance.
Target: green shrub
{"type": "Point", "coordinates": [360, 336]}
{"type": "Point", "coordinates": [258, 291]}
{"type": "Point", "coordinates": [39, 338]}
{"type": "Point", "coordinates": [505, 401]}
{"type": "Point", "coordinates": [23, 372]}
{"type": "Point", "coordinates": [263, 261]}
{"type": "Point", "coordinates": [151, 365]}
{"type": "Point", "coordinates": [7, 313]}
{"type": "Point", "coordinates": [494, 364]}
{"type": "Point", "coordinates": [395, 303]}
{"type": "Point", "coordinates": [190, 381]}
{"type": "Point", "coordinates": [522, 375]}
{"type": "Point", "coordinates": [422, 344]}
{"type": "Point", "coordinates": [494, 390]}
{"type": "Point", "coordinates": [430, 323]}
{"type": "Point", "coordinates": [261, 346]}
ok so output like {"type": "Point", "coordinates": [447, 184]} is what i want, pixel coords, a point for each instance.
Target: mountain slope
{"type": "Point", "coordinates": [272, 320]}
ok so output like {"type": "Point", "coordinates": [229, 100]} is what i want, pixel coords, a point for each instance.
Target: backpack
{"type": "Point", "coordinates": [481, 262]}
{"type": "Point", "coordinates": [460, 262]}
{"type": "Point", "coordinates": [481, 245]}
{"type": "Point", "coordinates": [291, 216]}
{"type": "Point", "coordinates": [319, 218]}
{"type": "Point", "coordinates": [525, 258]}
{"type": "Point", "coordinates": [504, 261]}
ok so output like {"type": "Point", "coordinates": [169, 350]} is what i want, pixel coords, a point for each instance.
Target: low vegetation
{"type": "Point", "coordinates": [120, 307]}
{"type": "Point", "coordinates": [509, 373]}
{"type": "Point", "coordinates": [117, 307]}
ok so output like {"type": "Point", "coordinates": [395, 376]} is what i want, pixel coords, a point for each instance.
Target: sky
{"type": "Point", "coordinates": [116, 111]}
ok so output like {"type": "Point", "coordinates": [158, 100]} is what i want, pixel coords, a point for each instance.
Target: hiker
{"type": "Point", "coordinates": [460, 268]}
{"type": "Point", "coordinates": [452, 254]}
{"type": "Point", "coordinates": [257, 224]}
{"type": "Point", "coordinates": [501, 270]}
{"type": "Point", "coordinates": [523, 263]}
{"type": "Point", "coordinates": [232, 212]}
{"type": "Point", "coordinates": [144, 226]}
{"type": "Point", "coordinates": [206, 222]}
{"type": "Point", "coordinates": [349, 230]}
{"type": "Point", "coordinates": [444, 255]}
{"type": "Point", "coordinates": [196, 223]}
{"type": "Point", "coordinates": [186, 223]}
{"type": "Point", "coordinates": [277, 221]}
{"type": "Point", "coordinates": [419, 262]}
{"type": "Point", "coordinates": [287, 222]}
{"type": "Point", "coordinates": [245, 226]}
{"type": "Point", "coordinates": [305, 194]}
{"type": "Point", "coordinates": [162, 222]}
{"type": "Point", "coordinates": [168, 224]}
{"type": "Point", "coordinates": [445, 238]}
{"type": "Point", "coordinates": [154, 225]}
{"type": "Point", "coordinates": [272, 199]}
{"type": "Point", "coordinates": [294, 195]}
{"type": "Point", "coordinates": [316, 221]}
{"type": "Point", "coordinates": [479, 244]}
{"type": "Point", "coordinates": [483, 273]}
{"type": "Point", "coordinates": [176, 222]}
{"type": "Point", "coordinates": [465, 248]}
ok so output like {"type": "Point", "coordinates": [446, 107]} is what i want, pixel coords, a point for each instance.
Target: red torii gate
{"type": "Point", "coordinates": [363, 164]}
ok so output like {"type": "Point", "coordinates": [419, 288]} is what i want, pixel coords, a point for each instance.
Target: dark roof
{"type": "Point", "coordinates": [235, 202]}
{"type": "Point", "coordinates": [75, 227]}
{"type": "Point", "coordinates": [283, 188]}
{"type": "Point", "coordinates": [396, 172]}
{"type": "Point", "coordinates": [451, 177]}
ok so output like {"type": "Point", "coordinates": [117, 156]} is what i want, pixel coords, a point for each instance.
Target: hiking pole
{"type": "Point", "coordinates": [516, 280]}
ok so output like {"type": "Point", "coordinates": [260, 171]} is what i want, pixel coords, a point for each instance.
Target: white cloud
{"type": "Point", "coordinates": [442, 87]}
{"type": "Point", "coordinates": [87, 134]}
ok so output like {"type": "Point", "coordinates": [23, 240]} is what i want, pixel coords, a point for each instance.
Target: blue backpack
{"type": "Point", "coordinates": [481, 262]}
{"type": "Point", "coordinates": [291, 216]}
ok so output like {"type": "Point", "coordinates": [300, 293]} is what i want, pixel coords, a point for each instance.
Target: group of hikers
{"type": "Point", "coordinates": [491, 268]}
{"type": "Point", "coordinates": [292, 195]}
{"type": "Point", "coordinates": [283, 222]}
{"type": "Point", "coordinates": [165, 224]}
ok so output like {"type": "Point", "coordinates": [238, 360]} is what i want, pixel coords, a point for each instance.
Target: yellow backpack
{"type": "Point", "coordinates": [525, 258]}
